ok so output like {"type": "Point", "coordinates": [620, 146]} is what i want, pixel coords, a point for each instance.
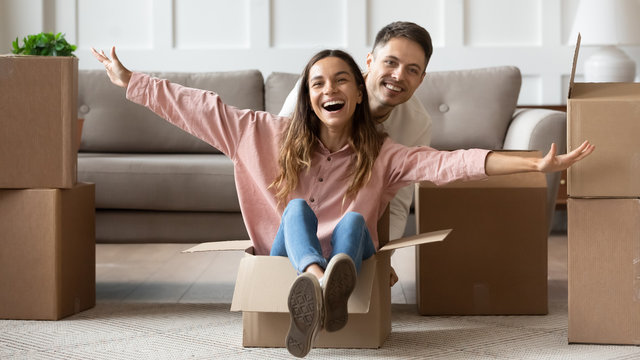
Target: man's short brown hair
{"type": "Point", "coordinates": [406, 30]}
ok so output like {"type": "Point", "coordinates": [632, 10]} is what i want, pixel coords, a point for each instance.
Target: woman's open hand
{"type": "Point", "coordinates": [552, 162]}
{"type": "Point", "coordinates": [118, 74]}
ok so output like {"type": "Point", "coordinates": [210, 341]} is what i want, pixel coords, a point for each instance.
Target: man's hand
{"type": "Point", "coordinates": [118, 74]}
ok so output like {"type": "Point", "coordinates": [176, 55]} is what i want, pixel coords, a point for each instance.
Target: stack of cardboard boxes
{"type": "Point", "coordinates": [47, 224]}
{"type": "Point", "coordinates": [604, 213]}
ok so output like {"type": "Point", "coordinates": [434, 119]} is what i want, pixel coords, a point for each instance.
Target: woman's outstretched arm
{"type": "Point", "coordinates": [499, 164]}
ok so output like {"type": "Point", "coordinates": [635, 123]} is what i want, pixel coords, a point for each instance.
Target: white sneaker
{"type": "Point", "coordinates": [305, 310]}
{"type": "Point", "coordinates": [338, 284]}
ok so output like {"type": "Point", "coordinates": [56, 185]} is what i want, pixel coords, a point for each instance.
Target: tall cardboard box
{"type": "Point", "coordinates": [263, 284]}
{"type": "Point", "coordinates": [38, 141]}
{"type": "Point", "coordinates": [47, 252]}
{"type": "Point", "coordinates": [606, 114]}
{"type": "Point", "coordinates": [494, 262]}
{"type": "Point", "coordinates": [604, 271]}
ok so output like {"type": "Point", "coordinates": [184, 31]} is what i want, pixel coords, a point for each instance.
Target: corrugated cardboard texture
{"type": "Point", "coordinates": [38, 141]}
{"type": "Point", "coordinates": [495, 259]}
{"type": "Point", "coordinates": [47, 262]}
{"type": "Point", "coordinates": [604, 271]}
{"type": "Point", "coordinates": [607, 115]}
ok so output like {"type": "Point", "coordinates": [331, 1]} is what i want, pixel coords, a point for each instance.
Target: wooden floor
{"type": "Point", "coordinates": [161, 273]}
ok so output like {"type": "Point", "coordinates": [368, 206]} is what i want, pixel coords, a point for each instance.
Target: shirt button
{"type": "Point", "coordinates": [321, 179]}
{"type": "Point", "coordinates": [329, 158]}
{"type": "Point", "coordinates": [312, 199]}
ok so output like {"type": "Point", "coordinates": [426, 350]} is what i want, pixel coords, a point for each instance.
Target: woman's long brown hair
{"type": "Point", "coordinates": [301, 136]}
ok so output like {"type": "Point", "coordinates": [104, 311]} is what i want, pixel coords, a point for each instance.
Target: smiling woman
{"type": "Point", "coordinates": [313, 187]}
{"type": "Point", "coordinates": [334, 97]}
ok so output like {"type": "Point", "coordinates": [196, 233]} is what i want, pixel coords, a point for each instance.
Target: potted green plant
{"type": "Point", "coordinates": [47, 44]}
{"type": "Point", "coordinates": [44, 44]}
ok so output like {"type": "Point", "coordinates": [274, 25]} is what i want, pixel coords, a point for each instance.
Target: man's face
{"type": "Point", "coordinates": [395, 71]}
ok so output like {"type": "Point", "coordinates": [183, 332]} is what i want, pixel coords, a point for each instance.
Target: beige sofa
{"type": "Point", "coordinates": [156, 183]}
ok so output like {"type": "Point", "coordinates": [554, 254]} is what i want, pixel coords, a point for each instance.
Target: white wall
{"type": "Point", "coordinates": [281, 35]}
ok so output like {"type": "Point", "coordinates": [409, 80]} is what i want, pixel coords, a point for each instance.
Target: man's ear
{"type": "Point", "coordinates": [369, 61]}
{"type": "Point", "coordinates": [422, 77]}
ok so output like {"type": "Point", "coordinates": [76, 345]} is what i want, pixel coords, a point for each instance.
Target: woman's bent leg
{"type": "Point", "coordinates": [351, 243]}
{"type": "Point", "coordinates": [297, 236]}
{"type": "Point", "coordinates": [351, 236]}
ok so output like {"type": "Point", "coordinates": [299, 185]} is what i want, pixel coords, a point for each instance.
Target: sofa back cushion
{"type": "Point", "coordinates": [276, 89]}
{"type": "Point", "coordinates": [114, 124]}
{"type": "Point", "coordinates": [470, 108]}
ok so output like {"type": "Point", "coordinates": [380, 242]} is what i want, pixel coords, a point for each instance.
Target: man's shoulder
{"type": "Point", "coordinates": [413, 106]}
{"type": "Point", "coordinates": [409, 123]}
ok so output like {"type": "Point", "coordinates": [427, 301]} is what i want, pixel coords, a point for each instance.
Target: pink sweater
{"type": "Point", "coordinates": [251, 140]}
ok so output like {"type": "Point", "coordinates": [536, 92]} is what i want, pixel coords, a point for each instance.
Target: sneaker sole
{"type": "Point", "coordinates": [339, 286]}
{"type": "Point", "coordinates": [304, 310]}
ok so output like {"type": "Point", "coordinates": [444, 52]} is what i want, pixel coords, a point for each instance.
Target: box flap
{"type": "Point", "coordinates": [424, 238]}
{"type": "Point", "coordinates": [220, 246]}
{"type": "Point", "coordinates": [573, 68]}
{"type": "Point", "coordinates": [263, 285]}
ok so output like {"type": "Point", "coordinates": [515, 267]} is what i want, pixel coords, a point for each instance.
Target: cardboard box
{"type": "Point", "coordinates": [263, 284]}
{"type": "Point", "coordinates": [38, 141]}
{"type": "Point", "coordinates": [494, 262]}
{"type": "Point", "coordinates": [607, 115]}
{"type": "Point", "coordinates": [47, 261]}
{"type": "Point", "coordinates": [604, 271]}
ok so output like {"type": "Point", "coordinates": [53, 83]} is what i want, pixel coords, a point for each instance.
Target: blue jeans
{"type": "Point", "coordinates": [298, 240]}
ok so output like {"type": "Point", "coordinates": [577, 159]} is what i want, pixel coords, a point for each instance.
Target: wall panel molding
{"type": "Point", "coordinates": [281, 35]}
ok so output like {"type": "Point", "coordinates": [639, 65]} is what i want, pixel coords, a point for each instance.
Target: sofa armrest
{"type": "Point", "coordinates": [536, 129]}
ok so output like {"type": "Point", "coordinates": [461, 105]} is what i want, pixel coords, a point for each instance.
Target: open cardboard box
{"type": "Point", "coordinates": [607, 115]}
{"type": "Point", "coordinates": [263, 283]}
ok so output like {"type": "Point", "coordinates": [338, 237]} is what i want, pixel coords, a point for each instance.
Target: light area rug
{"type": "Point", "coordinates": [115, 330]}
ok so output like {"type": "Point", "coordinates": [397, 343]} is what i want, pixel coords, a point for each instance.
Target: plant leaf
{"type": "Point", "coordinates": [45, 44]}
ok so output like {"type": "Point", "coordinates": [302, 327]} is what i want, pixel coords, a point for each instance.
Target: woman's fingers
{"type": "Point", "coordinates": [113, 54]}
{"type": "Point", "coordinates": [97, 55]}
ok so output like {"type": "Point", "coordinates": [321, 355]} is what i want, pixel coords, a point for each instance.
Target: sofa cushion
{"type": "Point", "coordinates": [276, 88]}
{"type": "Point", "coordinates": [113, 124]}
{"type": "Point", "coordinates": [470, 108]}
{"type": "Point", "coordinates": [131, 226]}
{"type": "Point", "coordinates": [162, 182]}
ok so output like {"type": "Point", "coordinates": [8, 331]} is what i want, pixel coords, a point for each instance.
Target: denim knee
{"type": "Point", "coordinates": [297, 206]}
{"type": "Point", "coordinates": [354, 218]}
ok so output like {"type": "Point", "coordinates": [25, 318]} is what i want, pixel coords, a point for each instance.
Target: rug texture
{"type": "Point", "coordinates": [210, 331]}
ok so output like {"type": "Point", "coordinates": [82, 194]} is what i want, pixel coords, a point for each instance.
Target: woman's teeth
{"type": "Point", "coordinates": [333, 105]}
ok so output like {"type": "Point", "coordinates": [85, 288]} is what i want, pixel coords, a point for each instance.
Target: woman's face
{"type": "Point", "coordinates": [333, 92]}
